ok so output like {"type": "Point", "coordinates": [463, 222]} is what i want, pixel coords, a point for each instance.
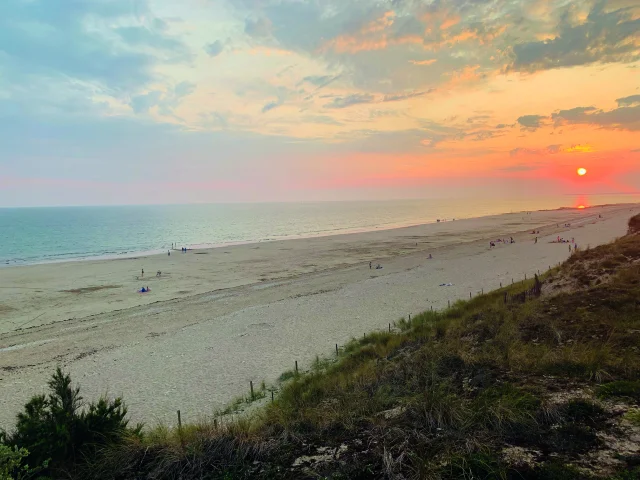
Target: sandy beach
{"type": "Point", "coordinates": [216, 319]}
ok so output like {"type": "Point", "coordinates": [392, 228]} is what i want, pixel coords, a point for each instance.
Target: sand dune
{"type": "Point", "coordinates": [217, 318]}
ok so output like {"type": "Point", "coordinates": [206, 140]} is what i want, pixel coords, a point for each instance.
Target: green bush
{"type": "Point", "coordinates": [56, 428]}
{"type": "Point", "coordinates": [11, 464]}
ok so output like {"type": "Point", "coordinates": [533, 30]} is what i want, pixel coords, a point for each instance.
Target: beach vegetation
{"type": "Point", "coordinates": [58, 430]}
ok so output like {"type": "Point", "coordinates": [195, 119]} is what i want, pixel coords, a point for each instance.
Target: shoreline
{"type": "Point", "coordinates": [328, 233]}
{"type": "Point", "coordinates": [224, 317]}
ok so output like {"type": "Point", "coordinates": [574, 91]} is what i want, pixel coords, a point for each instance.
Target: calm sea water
{"type": "Point", "coordinates": [37, 235]}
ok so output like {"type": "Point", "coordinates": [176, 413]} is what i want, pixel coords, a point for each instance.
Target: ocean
{"type": "Point", "coordinates": [53, 234]}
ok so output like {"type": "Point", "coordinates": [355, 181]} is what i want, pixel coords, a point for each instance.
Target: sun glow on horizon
{"type": "Point", "coordinates": [582, 171]}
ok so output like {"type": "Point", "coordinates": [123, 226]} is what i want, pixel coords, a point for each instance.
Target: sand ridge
{"type": "Point", "coordinates": [218, 318]}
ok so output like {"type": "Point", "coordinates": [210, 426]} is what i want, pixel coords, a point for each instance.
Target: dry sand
{"type": "Point", "coordinates": [218, 318]}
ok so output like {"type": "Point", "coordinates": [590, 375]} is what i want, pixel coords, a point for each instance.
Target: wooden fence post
{"type": "Point", "coordinates": [296, 367]}
{"type": "Point", "coordinates": [251, 388]}
{"type": "Point", "coordinates": [337, 350]}
{"type": "Point", "coordinates": [180, 430]}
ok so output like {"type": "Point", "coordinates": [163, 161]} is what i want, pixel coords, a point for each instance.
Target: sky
{"type": "Point", "coordinates": [159, 101]}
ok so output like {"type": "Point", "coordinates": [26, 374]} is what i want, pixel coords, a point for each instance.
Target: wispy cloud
{"type": "Point", "coordinates": [350, 100]}
{"type": "Point", "coordinates": [397, 97]}
{"type": "Point", "coordinates": [551, 150]}
{"type": "Point", "coordinates": [430, 61]}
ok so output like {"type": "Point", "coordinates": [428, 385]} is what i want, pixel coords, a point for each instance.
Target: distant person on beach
{"type": "Point", "coordinates": [430, 257]}
{"type": "Point", "coordinates": [536, 241]}
{"type": "Point", "coordinates": [143, 272]}
{"type": "Point", "coordinates": [168, 253]}
{"type": "Point", "coordinates": [369, 265]}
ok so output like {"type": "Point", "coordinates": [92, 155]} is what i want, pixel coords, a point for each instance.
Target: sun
{"type": "Point", "coordinates": [582, 171]}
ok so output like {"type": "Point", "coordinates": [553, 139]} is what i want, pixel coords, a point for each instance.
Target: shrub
{"type": "Point", "coordinates": [56, 429]}
{"type": "Point", "coordinates": [11, 464]}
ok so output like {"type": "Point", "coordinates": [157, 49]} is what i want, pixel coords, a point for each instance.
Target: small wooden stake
{"type": "Point", "coordinates": [469, 295]}
{"type": "Point", "coordinates": [296, 367]}
{"type": "Point", "coordinates": [409, 317]}
{"type": "Point", "coordinates": [271, 396]}
{"type": "Point", "coordinates": [389, 328]}
{"type": "Point", "coordinates": [180, 429]}
{"type": "Point", "coordinates": [337, 350]}
{"type": "Point", "coordinates": [251, 387]}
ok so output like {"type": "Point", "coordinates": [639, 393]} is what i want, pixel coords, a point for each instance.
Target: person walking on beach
{"type": "Point", "coordinates": [143, 272]}
{"type": "Point", "coordinates": [168, 253]}
{"type": "Point", "coordinates": [536, 240]}
{"type": "Point", "coordinates": [369, 265]}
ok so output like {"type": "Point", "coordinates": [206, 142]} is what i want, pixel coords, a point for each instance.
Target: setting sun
{"type": "Point", "coordinates": [582, 171]}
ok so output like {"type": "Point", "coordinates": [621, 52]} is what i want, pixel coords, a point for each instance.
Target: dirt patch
{"type": "Point", "coordinates": [6, 308]}
{"type": "Point", "coordinates": [78, 291]}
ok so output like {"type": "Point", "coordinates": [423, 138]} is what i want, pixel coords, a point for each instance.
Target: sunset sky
{"type": "Point", "coordinates": [164, 101]}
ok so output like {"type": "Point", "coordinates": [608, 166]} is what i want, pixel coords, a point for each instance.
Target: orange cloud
{"type": "Point", "coordinates": [423, 62]}
{"type": "Point", "coordinates": [449, 22]}
{"type": "Point", "coordinates": [463, 36]}
{"type": "Point", "coordinates": [372, 36]}
{"type": "Point", "coordinates": [580, 148]}
{"type": "Point", "coordinates": [467, 74]}
{"type": "Point", "coordinates": [447, 39]}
